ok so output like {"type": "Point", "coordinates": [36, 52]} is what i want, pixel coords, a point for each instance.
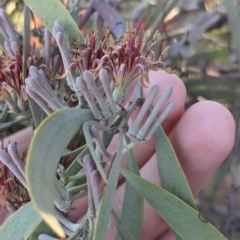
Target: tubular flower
{"type": "Point", "coordinates": [124, 58]}
{"type": "Point", "coordinates": [12, 87]}
{"type": "Point", "coordinates": [12, 194]}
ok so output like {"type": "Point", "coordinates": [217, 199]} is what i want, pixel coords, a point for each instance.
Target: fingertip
{"type": "Point", "coordinates": [164, 79]}
{"type": "Point", "coordinates": [202, 139]}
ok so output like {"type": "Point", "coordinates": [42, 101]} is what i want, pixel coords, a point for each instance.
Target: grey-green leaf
{"type": "Point", "coordinates": [47, 146]}
{"type": "Point", "coordinates": [234, 21]}
{"type": "Point", "coordinates": [21, 224]}
{"type": "Point", "coordinates": [132, 210]}
{"type": "Point", "coordinates": [171, 174]}
{"type": "Point", "coordinates": [37, 112]}
{"type": "Point", "coordinates": [122, 229]}
{"type": "Point", "coordinates": [172, 177]}
{"type": "Point", "coordinates": [182, 218]}
{"type": "Point", "coordinates": [50, 11]}
{"type": "Point", "coordinates": [41, 228]}
{"type": "Point", "coordinates": [106, 203]}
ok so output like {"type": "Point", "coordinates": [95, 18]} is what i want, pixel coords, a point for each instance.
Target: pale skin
{"type": "Point", "coordinates": [202, 137]}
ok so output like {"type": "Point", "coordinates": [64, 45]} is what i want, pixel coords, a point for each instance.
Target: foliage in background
{"type": "Point", "coordinates": [203, 49]}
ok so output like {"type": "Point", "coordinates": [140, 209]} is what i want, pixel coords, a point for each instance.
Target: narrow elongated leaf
{"type": "Point", "coordinates": [182, 218]}
{"type": "Point", "coordinates": [50, 11]}
{"type": "Point", "coordinates": [114, 20]}
{"type": "Point", "coordinates": [160, 11]}
{"type": "Point", "coordinates": [209, 55]}
{"type": "Point", "coordinates": [37, 112]}
{"type": "Point", "coordinates": [122, 229]}
{"type": "Point", "coordinates": [177, 237]}
{"type": "Point", "coordinates": [21, 224]}
{"type": "Point", "coordinates": [224, 96]}
{"type": "Point", "coordinates": [75, 167]}
{"type": "Point", "coordinates": [41, 228]}
{"type": "Point", "coordinates": [234, 21]}
{"type": "Point", "coordinates": [4, 113]}
{"type": "Point", "coordinates": [26, 38]}
{"type": "Point", "coordinates": [132, 210]}
{"type": "Point", "coordinates": [172, 177]}
{"type": "Point", "coordinates": [47, 146]}
{"type": "Point", "coordinates": [171, 174]}
{"type": "Point", "coordinates": [106, 203]}
{"type": "Point", "coordinates": [78, 150]}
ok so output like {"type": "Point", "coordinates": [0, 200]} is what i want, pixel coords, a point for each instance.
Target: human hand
{"type": "Point", "coordinates": [202, 137]}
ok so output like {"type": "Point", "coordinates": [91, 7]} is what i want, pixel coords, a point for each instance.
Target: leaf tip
{"type": "Point", "coordinates": [53, 223]}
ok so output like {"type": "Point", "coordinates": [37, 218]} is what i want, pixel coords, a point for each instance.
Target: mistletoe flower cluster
{"type": "Point", "coordinates": [100, 76]}
{"type": "Point", "coordinates": [12, 87]}
{"type": "Point", "coordinates": [123, 58]}
{"type": "Point", "coordinates": [13, 186]}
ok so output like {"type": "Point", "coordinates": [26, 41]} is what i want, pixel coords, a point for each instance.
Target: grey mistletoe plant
{"type": "Point", "coordinates": [81, 91]}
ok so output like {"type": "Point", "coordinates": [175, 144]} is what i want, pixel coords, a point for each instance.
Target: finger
{"type": "Point", "coordinates": [210, 131]}
{"type": "Point", "coordinates": [143, 151]}
{"type": "Point", "coordinates": [4, 214]}
{"type": "Point", "coordinates": [78, 209]}
{"type": "Point", "coordinates": [202, 139]}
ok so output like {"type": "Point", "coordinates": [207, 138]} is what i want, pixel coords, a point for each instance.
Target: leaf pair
{"type": "Point", "coordinates": [182, 218]}
{"type": "Point", "coordinates": [175, 204]}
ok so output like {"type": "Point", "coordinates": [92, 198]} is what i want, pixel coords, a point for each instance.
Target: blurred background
{"type": "Point", "coordinates": [203, 40]}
